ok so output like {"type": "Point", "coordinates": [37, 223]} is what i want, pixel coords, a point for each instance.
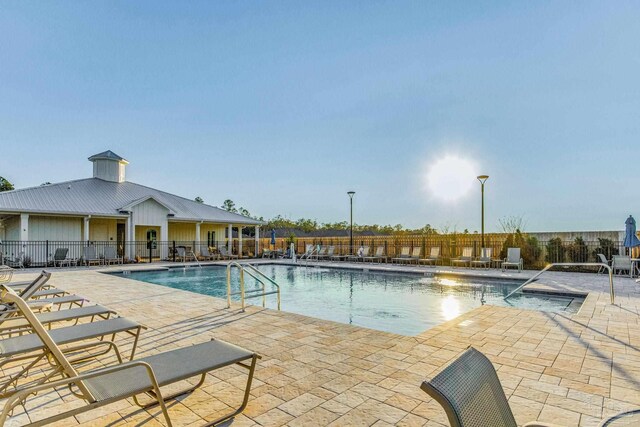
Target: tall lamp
{"type": "Point", "coordinates": [351, 194]}
{"type": "Point", "coordinates": [482, 179]}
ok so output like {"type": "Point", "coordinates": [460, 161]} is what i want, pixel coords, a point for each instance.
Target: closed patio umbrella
{"type": "Point", "coordinates": [630, 238]}
{"type": "Point", "coordinates": [273, 238]}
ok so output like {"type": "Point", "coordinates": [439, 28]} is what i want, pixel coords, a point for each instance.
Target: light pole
{"type": "Point", "coordinates": [482, 179]}
{"type": "Point", "coordinates": [351, 193]}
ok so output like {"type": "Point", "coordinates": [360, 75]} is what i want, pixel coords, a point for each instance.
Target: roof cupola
{"type": "Point", "coordinates": [108, 166]}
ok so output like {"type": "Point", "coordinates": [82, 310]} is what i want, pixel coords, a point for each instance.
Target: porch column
{"type": "Point", "coordinates": [197, 248]}
{"type": "Point", "coordinates": [128, 244]}
{"type": "Point", "coordinates": [164, 240]}
{"type": "Point", "coordinates": [86, 228]}
{"type": "Point", "coordinates": [24, 227]}
{"type": "Point", "coordinates": [240, 240]}
{"type": "Point", "coordinates": [257, 240]}
{"type": "Point", "coordinates": [230, 241]}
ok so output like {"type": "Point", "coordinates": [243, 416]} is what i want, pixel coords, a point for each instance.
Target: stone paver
{"type": "Point", "coordinates": [568, 369]}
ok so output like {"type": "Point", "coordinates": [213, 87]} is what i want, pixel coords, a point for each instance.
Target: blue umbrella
{"type": "Point", "coordinates": [630, 238]}
{"type": "Point", "coordinates": [273, 236]}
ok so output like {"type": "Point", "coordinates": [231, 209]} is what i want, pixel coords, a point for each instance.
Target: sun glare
{"type": "Point", "coordinates": [450, 177]}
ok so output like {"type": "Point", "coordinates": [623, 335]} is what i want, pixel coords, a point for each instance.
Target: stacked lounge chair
{"type": "Point", "coordinates": [405, 253]}
{"type": "Point", "coordinates": [485, 258]}
{"type": "Point", "coordinates": [378, 256]}
{"type": "Point", "coordinates": [57, 354]}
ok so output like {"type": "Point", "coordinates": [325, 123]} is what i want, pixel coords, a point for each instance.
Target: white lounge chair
{"type": "Point", "coordinates": [89, 256]}
{"type": "Point", "coordinates": [621, 263]}
{"type": "Point", "coordinates": [513, 259]}
{"type": "Point", "coordinates": [111, 256]}
{"type": "Point", "coordinates": [434, 256]}
{"type": "Point", "coordinates": [465, 258]}
{"type": "Point", "coordinates": [405, 253]}
{"type": "Point", "coordinates": [485, 258]}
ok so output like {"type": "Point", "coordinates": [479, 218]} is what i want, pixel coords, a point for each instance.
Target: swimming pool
{"type": "Point", "coordinates": [405, 304]}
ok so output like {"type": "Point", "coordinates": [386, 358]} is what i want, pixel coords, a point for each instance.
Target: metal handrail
{"type": "Point", "coordinates": [570, 264]}
{"type": "Point", "coordinates": [256, 274]}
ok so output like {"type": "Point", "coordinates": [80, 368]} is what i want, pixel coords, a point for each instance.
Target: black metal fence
{"type": "Point", "coordinates": [535, 253]}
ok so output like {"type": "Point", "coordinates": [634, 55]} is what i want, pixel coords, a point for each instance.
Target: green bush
{"type": "Point", "coordinates": [529, 248]}
{"type": "Point", "coordinates": [555, 251]}
{"type": "Point", "coordinates": [578, 251]}
{"type": "Point", "coordinates": [606, 247]}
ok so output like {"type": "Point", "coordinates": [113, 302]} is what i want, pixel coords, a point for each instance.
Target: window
{"type": "Point", "coordinates": [151, 239]}
{"type": "Point", "coordinates": [211, 238]}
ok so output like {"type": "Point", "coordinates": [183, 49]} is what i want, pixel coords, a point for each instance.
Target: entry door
{"type": "Point", "coordinates": [120, 238]}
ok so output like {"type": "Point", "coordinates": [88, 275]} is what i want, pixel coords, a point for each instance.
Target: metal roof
{"type": "Point", "coordinates": [109, 155]}
{"type": "Point", "coordinates": [94, 196]}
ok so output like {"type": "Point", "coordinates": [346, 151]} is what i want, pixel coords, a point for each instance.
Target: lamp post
{"type": "Point", "coordinates": [482, 179]}
{"type": "Point", "coordinates": [351, 193]}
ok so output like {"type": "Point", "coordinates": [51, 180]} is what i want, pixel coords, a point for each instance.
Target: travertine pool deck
{"type": "Point", "coordinates": [566, 369]}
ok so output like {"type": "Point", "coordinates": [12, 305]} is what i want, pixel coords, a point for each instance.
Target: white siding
{"type": "Point", "coordinates": [55, 228]}
{"type": "Point", "coordinates": [150, 212]}
{"type": "Point", "coordinates": [12, 228]}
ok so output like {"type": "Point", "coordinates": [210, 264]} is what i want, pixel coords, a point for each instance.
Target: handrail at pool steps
{"type": "Point", "coordinates": [570, 264]}
{"type": "Point", "coordinates": [257, 275]}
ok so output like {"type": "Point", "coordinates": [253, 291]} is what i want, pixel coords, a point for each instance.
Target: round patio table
{"type": "Point", "coordinates": [626, 419]}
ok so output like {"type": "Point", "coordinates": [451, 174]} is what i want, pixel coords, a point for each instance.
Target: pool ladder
{"type": "Point", "coordinates": [257, 275]}
{"type": "Point", "coordinates": [570, 264]}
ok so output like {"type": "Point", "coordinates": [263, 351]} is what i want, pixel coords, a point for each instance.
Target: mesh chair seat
{"type": "Point", "coordinates": [27, 343]}
{"type": "Point", "coordinates": [470, 393]}
{"type": "Point", "coordinates": [57, 316]}
{"type": "Point", "coordinates": [168, 367]}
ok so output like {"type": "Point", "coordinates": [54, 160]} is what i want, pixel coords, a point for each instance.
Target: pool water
{"type": "Point", "coordinates": [406, 304]}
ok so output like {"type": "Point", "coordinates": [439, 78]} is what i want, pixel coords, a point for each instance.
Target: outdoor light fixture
{"type": "Point", "coordinates": [351, 194]}
{"type": "Point", "coordinates": [482, 179]}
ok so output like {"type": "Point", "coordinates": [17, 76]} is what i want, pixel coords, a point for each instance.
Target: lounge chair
{"type": "Point", "coordinates": [205, 254]}
{"type": "Point", "coordinates": [60, 258]}
{"type": "Point", "coordinates": [89, 256]}
{"type": "Point", "coordinates": [378, 256]}
{"type": "Point", "coordinates": [224, 253]}
{"type": "Point", "coordinates": [330, 252]}
{"type": "Point", "coordinates": [111, 255]}
{"type": "Point", "coordinates": [143, 376]}
{"type": "Point", "coordinates": [434, 256]}
{"type": "Point", "coordinates": [603, 259]}
{"type": "Point", "coordinates": [416, 253]}
{"type": "Point", "coordinates": [470, 393]}
{"type": "Point", "coordinates": [320, 253]}
{"type": "Point", "coordinates": [405, 253]}
{"type": "Point", "coordinates": [18, 325]}
{"type": "Point", "coordinates": [484, 260]}
{"type": "Point", "coordinates": [465, 258]}
{"type": "Point", "coordinates": [513, 259]}
{"type": "Point", "coordinates": [621, 263]}
{"type": "Point", "coordinates": [366, 251]}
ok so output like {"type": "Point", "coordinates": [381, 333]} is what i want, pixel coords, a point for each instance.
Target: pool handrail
{"type": "Point", "coordinates": [257, 275]}
{"type": "Point", "coordinates": [570, 264]}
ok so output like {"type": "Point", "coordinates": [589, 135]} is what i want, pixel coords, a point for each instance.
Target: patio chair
{"type": "Point", "coordinates": [620, 263]}
{"type": "Point", "coordinates": [470, 393]}
{"type": "Point", "coordinates": [224, 253]}
{"type": "Point", "coordinates": [366, 251]}
{"type": "Point", "coordinates": [19, 325]}
{"type": "Point", "coordinates": [513, 259]}
{"type": "Point", "coordinates": [416, 254]}
{"type": "Point", "coordinates": [330, 252]}
{"type": "Point", "coordinates": [485, 259]}
{"type": "Point", "coordinates": [205, 254]}
{"type": "Point", "coordinates": [465, 258]}
{"type": "Point", "coordinates": [405, 253]}
{"type": "Point", "coordinates": [111, 255]}
{"type": "Point", "coordinates": [434, 256]}
{"type": "Point", "coordinates": [89, 256]}
{"type": "Point", "coordinates": [60, 258]}
{"type": "Point", "coordinates": [320, 253]}
{"type": "Point", "coordinates": [379, 255]}
{"type": "Point", "coordinates": [603, 259]}
{"type": "Point", "coordinates": [147, 375]}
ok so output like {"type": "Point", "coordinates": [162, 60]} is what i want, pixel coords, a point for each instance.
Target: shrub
{"type": "Point", "coordinates": [606, 247]}
{"type": "Point", "coordinates": [578, 251]}
{"type": "Point", "coordinates": [529, 247]}
{"type": "Point", "coordinates": [555, 250]}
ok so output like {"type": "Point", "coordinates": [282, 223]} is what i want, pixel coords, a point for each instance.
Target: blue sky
{"type": "Point", "coordinates": [285, 106]}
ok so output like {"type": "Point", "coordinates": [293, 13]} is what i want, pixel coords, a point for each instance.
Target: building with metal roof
{"type": "Point", "coordinates": [109, 209]}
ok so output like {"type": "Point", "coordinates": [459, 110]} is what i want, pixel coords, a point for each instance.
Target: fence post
{"type": "Point", "coordinates": [46, 253]}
